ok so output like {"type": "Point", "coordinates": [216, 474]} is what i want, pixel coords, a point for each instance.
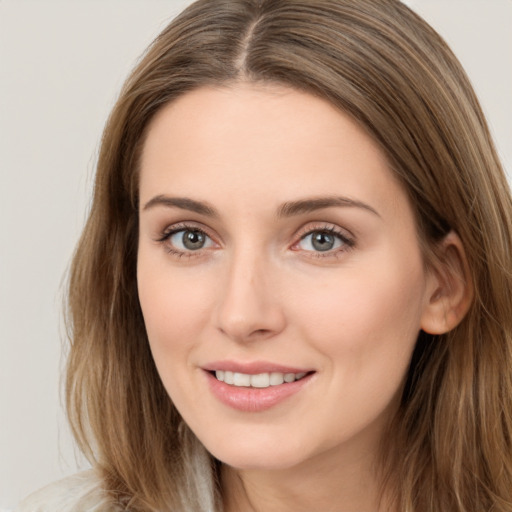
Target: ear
{"type": "Point", "coordinates": [449, 288]}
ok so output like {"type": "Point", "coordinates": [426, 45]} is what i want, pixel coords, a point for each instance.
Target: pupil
{"type": "Point", "coordinates": [323, 241]}
{"type": "Point", "coordinates": [193, 240]}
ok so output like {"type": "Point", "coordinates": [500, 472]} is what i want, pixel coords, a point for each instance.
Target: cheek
{"type": "Point", "coordinates": [365, 325]}
{"type": "Point", "coordinates": [175, 309]}
{"type": "Point", "coordinates": [370, 317]}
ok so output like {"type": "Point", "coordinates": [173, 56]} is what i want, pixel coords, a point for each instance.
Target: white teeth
{"type": "Point", "coordinates": [261, 380]}
{"type": "Point", "coordinates": [276, 378]}
{"type": "Point", "coordinates": [241, 379]}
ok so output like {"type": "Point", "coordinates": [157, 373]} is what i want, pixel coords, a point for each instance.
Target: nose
{"type": "Point", "coordinates": [249, 306]}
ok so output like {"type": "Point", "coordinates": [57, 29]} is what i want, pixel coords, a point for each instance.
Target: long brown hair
{"type": "Point", "coordinates": [450, 445]}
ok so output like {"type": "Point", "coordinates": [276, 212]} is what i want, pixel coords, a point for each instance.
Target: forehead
{"type": "Point", "coordinates": [251, 142]}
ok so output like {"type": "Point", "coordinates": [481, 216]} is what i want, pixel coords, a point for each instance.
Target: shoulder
{"type": "Point", "coordinates": [82, 492]}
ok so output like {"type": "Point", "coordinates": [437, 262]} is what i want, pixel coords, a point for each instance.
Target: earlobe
{"type": "Point", "coordinates": [450, 288]}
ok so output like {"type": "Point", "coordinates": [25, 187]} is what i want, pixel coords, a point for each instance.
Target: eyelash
{"type": "Point", "coordinates": [176, 228]}
{"type": "Point", "coordinates": [348, 243]}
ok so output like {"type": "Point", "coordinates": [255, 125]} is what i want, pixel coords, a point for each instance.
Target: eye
{"type": "Point", "coordinates": [324, 240]}
{"type": "Point", "coordinates": [186, 240]}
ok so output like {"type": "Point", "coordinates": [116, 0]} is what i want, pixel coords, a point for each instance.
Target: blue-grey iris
{"type": "Point", "coordinates": [322, 241]}
{"type": "Point", "coordinates": [193, 240]}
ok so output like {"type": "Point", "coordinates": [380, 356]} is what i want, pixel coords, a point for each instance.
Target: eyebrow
{"type": "Point", "coordinates": [288, 209]}
{"type": "Point", "coordinates": [184, 203]}
{"type": "Point", "coordinates": [302, 206]}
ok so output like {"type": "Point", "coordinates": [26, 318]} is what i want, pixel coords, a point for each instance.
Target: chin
{"type": "Point", "coordinates": [253, 453]}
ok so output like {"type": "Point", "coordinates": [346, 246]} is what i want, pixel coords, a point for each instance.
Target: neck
{"type": "Point", "coordinates": [320, 484]}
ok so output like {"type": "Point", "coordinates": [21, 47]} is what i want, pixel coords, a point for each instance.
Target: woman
{"type": "Point", "coordinates": [293, 289]}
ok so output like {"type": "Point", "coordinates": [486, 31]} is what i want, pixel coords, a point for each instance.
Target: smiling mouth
{"type": "Point", "coordinates": [255, 390]}
{"type": "Point", "coordinates": [260, 380]}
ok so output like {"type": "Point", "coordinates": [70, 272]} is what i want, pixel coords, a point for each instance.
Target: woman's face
{"type": "Point", "coordinates": [277, 250]}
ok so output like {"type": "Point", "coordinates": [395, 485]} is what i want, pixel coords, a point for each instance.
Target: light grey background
{"type": "Point", "coordinates": [62, 64]}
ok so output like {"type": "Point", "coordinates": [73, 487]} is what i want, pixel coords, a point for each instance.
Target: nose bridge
{"type": "Point", "coordinates": [249, 305]}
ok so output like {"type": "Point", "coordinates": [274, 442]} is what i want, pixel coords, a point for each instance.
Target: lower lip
{"type": "Point", "coordinates": [247, 399]}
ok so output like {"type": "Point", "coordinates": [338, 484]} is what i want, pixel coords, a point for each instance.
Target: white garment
{"type": "Point", "coordinates": [78, 493]}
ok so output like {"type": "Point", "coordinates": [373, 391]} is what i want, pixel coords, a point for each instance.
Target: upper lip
{"type": "Point", "coordinates": [253, 367]}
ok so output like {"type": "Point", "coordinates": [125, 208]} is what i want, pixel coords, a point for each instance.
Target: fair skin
{"type": "Point", "coordinates": [274, 237]}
